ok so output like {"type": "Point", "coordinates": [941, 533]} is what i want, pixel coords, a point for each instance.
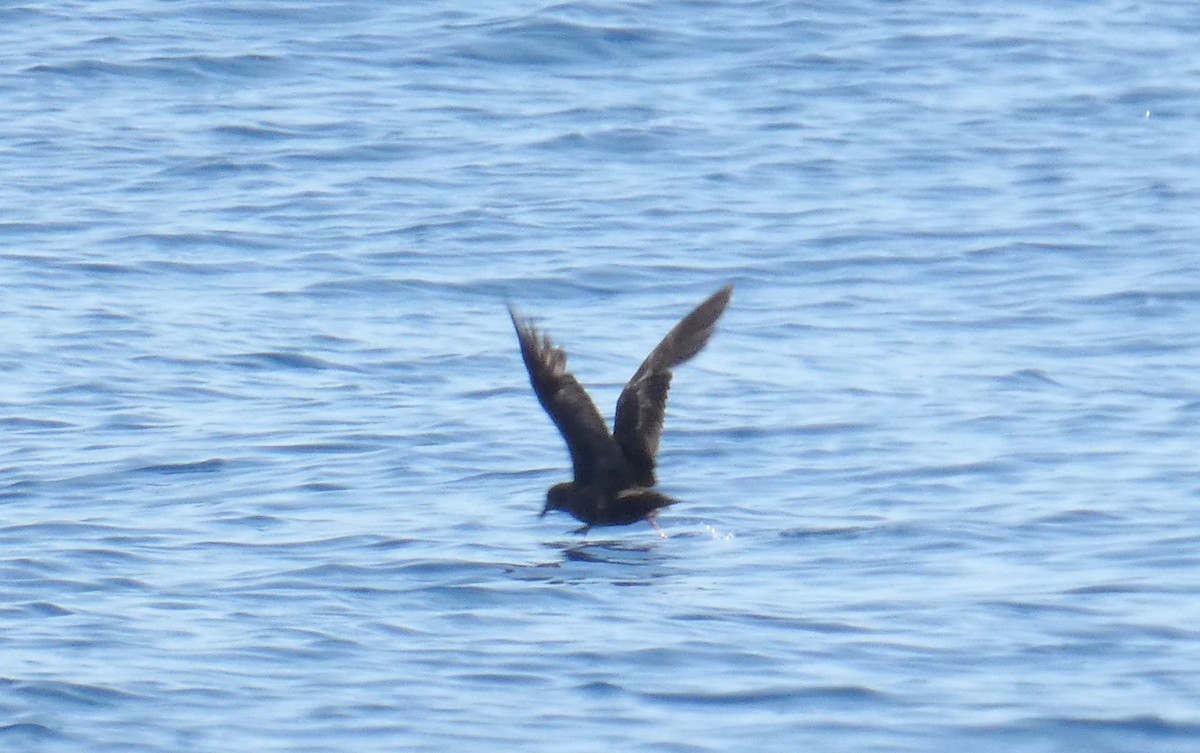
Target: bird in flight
{"type": "Point", "coordinates": [614, 473]}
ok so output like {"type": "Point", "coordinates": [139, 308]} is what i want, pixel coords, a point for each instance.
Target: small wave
{"type": "Point", "coordinates": [1029, 378]}
{"type": "Point", "coordinates": [809, 696]}
{"type": "Point", "coordinates": [557, 42]}
{"type": "Point", "coordinates": [252, 133]}
{"type": "Point", "coordinates": [837, 532]}
{"type": "Point", "coordinates": [200, 466]}
{"type": "Point", "coordinates": [19, 422]}
{"type": "Point", "coordinates": [273, 359]}
{"type": "Point", "coordinates": [28, 731]}
{"type": "Point", "coordinates": [1094, 734]}
{"type": "Point", "coordinates": [69, 693]}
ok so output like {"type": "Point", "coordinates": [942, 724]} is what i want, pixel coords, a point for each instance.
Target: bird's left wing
{"type": "Point", "coordinates": [594, 454]}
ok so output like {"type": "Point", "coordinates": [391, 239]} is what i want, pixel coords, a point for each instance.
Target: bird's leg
{"type": "Point", "coordinates": [661, 533]}
{"type": "Point", "coordinates": [582, 531]}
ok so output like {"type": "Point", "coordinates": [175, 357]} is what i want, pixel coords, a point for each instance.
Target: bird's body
{"type": "Point", "coordinates": [614, 472]}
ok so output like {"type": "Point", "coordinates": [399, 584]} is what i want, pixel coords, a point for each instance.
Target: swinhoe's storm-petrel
{"type": "Point", "coordinates": [613, 472]}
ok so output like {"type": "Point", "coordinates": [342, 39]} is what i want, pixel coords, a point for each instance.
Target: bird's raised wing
{"type": "Point", "coordinates": [643, 403]}
{"type": "Point", "coordinates": [594, 454]}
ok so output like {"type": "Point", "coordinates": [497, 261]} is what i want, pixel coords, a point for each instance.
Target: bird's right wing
{"type": "Point", "coordinates": [642, 406]}
{"type": "Point", "coordinates": [594, 453]}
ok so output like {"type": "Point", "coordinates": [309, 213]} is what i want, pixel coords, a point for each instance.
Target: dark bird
{"type": "Point", "coordinates": [614, 472]}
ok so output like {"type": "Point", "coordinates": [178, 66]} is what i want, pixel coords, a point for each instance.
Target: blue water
{"type": "Point", "coordinates": [271, 465]}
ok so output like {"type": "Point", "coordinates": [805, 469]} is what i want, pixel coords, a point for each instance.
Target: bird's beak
{"type": "Point", "coordinates": [545, 510]}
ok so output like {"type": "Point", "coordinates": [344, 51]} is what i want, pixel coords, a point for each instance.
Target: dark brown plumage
{"type": "Point", "coordinates": [613, 472]}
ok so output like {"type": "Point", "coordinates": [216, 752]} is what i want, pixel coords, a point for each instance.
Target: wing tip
{"type": "Point", "coordinates": [515, 314]}
{"type": "Point", "coordinates": [724, 295]}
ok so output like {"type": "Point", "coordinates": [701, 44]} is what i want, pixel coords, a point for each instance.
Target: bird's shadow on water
{"type": "Point", "coordinates": [624, 552]}
{"type": "Point", "coordinates": [611, 552]}
{"type": "Point", "coordinates": [636, 560]}
{"type": "Point", "coordinates": [617, 561]}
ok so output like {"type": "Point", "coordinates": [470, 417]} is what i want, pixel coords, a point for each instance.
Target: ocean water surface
{"type": "Point", "coordinates": [272, 467]}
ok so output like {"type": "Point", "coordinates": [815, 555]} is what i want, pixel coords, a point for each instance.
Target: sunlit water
{"type": "Point", "coordinates": [272, 466]}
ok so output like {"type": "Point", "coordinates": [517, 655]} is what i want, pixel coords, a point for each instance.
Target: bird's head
{"type": "Point", "coordinates": [558, 497]}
